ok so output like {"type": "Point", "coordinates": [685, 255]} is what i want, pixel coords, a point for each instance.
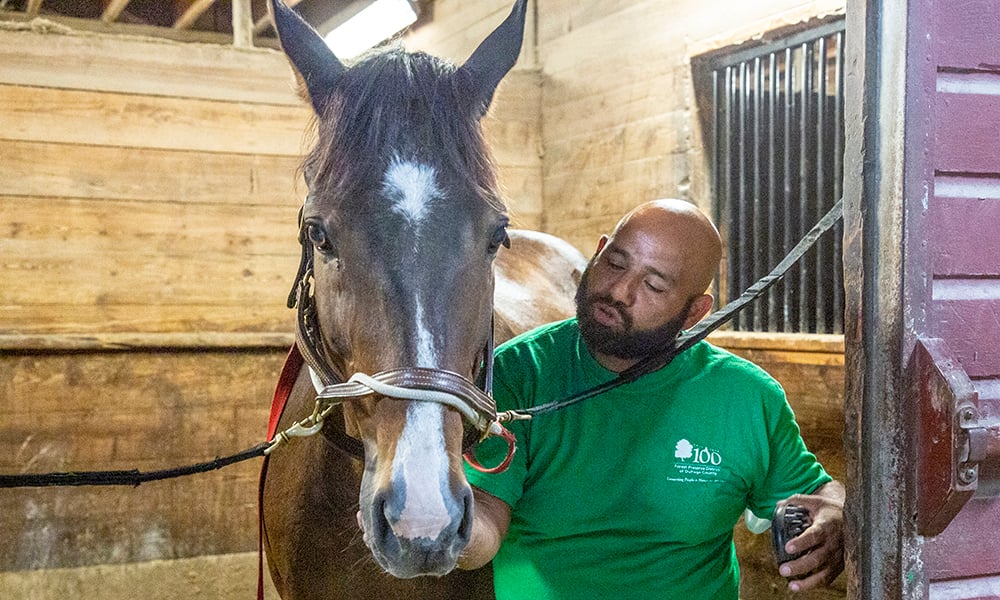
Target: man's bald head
{"type": "Point", "coordinates": [683, 227]}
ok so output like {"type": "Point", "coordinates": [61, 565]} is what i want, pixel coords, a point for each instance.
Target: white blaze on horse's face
{"type": "Point", "coordinates": [420, 464]}
{"type": "Point", "coordinates": [414, 188]}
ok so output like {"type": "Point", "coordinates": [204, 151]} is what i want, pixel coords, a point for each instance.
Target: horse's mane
{"type": "Point", "coordinates": [396, 105]}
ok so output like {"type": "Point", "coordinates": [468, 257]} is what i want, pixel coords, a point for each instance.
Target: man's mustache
{"type": "Point", "coordinates": [617, 306]}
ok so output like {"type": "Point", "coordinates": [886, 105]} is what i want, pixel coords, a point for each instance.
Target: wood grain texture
{"type": "Point", "coordinates": [136, 65]}
{"type": "Point", "coordinates": [147, 121]}
{"type": "Point", "coordinates": [122, 411]}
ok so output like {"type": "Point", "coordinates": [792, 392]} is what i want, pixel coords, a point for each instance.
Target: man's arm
{"type": "Point", "coordinates": [490, 521]}
{"type": "Point", "coordinates": [824, 539]}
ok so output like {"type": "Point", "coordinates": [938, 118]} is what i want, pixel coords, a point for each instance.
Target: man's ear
{"type": "Point", "coordinates": [600, 244]}
{"type": "Point", "coordinates": [699, 308]}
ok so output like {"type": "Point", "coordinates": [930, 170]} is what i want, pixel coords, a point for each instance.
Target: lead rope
{"type": "Point", "coordinates": [664, 356]}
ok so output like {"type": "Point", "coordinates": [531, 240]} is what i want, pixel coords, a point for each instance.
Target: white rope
{"type": "Point", "coordinates": [313, 424]}
{"type": "Point", "coordinates": [437, 396]}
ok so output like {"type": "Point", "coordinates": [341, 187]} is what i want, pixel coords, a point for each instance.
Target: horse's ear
{"type": "Point", "coordinates": [315, 64]}
{"type": "Point", "coordinates": [495, 57]}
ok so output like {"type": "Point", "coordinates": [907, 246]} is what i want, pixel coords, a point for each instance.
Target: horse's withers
{"type": "Point", "coordinates": [404, 218]}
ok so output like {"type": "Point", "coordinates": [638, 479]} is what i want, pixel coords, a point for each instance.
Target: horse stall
{"type": "Point", "coordinates": [149, 185]}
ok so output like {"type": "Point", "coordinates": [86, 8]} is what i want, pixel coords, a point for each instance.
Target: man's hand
{"type": "Point", "coordinates": [823, 541]}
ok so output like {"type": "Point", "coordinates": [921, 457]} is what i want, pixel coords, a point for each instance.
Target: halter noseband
{"type": "Point", "coordinates": [407, 383]}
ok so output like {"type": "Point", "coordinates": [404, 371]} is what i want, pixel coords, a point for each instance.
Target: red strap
{"type": "Point", "coordinates": [289, 373]}
{"type": "Point", "coordinates": [470, 456]}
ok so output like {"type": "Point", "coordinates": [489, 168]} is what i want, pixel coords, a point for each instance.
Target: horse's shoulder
{"type": "Point", "coordinates": [536, 280]}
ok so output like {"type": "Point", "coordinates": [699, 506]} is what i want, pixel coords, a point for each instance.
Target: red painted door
{"type": "Point", "coordinates": [959, 254]}
{"type": "Point", "coordinates": [922, 283]}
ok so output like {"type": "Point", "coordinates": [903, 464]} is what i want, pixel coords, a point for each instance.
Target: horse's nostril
{"type": "Point", "coordinates": [381, 530]}
{"type": "Point", "coordinates": [465, 526]}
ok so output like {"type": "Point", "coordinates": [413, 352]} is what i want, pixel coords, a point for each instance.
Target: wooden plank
{"type": "Point", "coordinates": [636, 141]}
{"type": "Point", "coordinates": [564, 16]}
{"type": "Point", "coordinates": [963, 235]}
{"type": "Point", "coordinates": [113, 277]}
{"type": "Point", "coordinates": [113, 9]}
{"type": "Point", "coordinates": [78, 171]}
{"type": "Point", "coordinates": [112, 119]}
{"type": "Point", "coordinates": [194, 10]}
{"type": "Point", "coordinates": [144, 228]}
{"type": "Point", "coordinates": [30, 321]}
{"type": "Point", "coordinates": [514, 143]}
{"type": "Point", "coordinates": [970, 328]}
{"type": "Point", "coordinates": [242, 23]}
{"type": "Point", "coordinates": [575, 106]}
{"type": "Point", "coordinates": [979, 515]}
{"type": "Point", "coordinates": [966, 130]}
{"type": "Point", "coordinates": [196, 577]}
{"type": "Point", "coordinates": [146, 66]}
{"type": "Point", "coordinates": [198, 340]}
{"type": "Point", "coordinates": [790, 342]}
{"type": "Point", "coordinates": [965, 34]}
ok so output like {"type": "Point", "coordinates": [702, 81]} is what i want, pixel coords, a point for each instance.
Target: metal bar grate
{"type": "Point", "coordinates": [777, 166]}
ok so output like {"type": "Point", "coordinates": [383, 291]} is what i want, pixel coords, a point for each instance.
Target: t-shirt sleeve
{"type": "Point", "coordinates": [792, 468]}
{"type": "Point", "coordinates": [508, 485]}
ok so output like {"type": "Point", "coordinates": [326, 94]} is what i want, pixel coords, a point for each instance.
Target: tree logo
{"type": "Point", "coordinates": [683, 450]}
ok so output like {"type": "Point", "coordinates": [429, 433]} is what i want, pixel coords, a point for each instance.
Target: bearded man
{"type": "Point", "coordinates": [635, 493]}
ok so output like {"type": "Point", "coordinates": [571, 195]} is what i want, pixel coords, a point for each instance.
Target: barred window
{"type": "Point", "coordinates": [776, 156]}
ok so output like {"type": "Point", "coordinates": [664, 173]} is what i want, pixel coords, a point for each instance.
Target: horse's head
{"type": "Point", "coordinates": [404, 219]}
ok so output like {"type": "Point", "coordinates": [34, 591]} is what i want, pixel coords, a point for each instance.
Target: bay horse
{"type": "Point", "coordinates": [403, 236]}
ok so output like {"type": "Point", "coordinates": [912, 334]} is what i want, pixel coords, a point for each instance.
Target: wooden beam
{"type": "Point", "coordinates": [191, 15]}
{"type": "Point", "coordinates": [264, 22]}
{"type": "Point", "coordinates": [142, 341]}
{"type": "Point", "coordinates": [96, 62]}
{"type": "Point", "coordinates": [242, 24]}
{"type": "Point", "coordinates": [33, 7]}
{"type": "Point", "coordinates": [114, 8]}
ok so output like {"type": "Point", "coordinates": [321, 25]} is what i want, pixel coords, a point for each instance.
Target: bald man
{"type": "Point", "coordinates": [635, 493]}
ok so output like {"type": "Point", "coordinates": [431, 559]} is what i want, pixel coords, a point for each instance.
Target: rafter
{"type": "Point", "coordinates": [33, 7]}
{"type": "Point", "coordinates": [114, 8]}
{"type": "Point", "coordinates": [191, 15]}
{"type": "Point", "coordinates": [264, 22]}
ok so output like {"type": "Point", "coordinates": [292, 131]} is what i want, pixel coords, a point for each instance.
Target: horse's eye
{"type": "Point", "coordinates": [500, 238]}
{"type": "Point", "coordinates": [317, 235]}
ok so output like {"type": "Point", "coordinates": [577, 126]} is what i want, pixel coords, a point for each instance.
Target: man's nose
{"type": "Point", "coordinates": [623, 290]}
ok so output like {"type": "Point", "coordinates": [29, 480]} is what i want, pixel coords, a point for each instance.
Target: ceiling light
{"type": "Point", "coordinates": [374, 24]}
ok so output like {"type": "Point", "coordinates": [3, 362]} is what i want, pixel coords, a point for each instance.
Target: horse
{"type": "Point", "coordinates": [404, 239]}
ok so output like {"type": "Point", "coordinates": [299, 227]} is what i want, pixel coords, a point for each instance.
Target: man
{"type": "Point", "coordinates": [635, 493]}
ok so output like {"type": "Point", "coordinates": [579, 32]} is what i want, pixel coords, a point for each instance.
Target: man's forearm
{"type": "Point", "coordinates": [490, 521]}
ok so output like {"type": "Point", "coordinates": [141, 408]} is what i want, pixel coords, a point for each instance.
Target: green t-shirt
{"type": "Point", "coordinates": [635, 493]}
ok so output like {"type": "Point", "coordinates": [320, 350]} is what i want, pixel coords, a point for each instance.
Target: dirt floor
{"type": "Point", "coordinates": [221, 577]}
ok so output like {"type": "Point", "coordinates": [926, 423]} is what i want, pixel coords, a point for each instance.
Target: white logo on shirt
{"type": "Point", "coordinates": [695, 463]}
{"type": "Point", "coordinates": [701, 456]}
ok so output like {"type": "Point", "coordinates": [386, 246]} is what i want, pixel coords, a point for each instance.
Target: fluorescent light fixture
{"type": "Point", "coordinates": [376, 23]}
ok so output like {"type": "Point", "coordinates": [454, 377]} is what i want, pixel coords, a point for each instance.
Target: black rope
{"type": "Point", "coordinates": [132, 477]}
{"type": "Point", "coordinates": [662, 356]}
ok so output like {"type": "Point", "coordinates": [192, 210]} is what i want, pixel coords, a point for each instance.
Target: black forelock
{"type": "Point", "coordinates": [399, 105]}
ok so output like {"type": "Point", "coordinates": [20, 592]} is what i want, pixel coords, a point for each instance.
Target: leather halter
{"type": "Point", "coordinates": [408, 383]}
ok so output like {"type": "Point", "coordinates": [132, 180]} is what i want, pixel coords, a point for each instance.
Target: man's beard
{"type": "Point", "coordinates": [627, 343]}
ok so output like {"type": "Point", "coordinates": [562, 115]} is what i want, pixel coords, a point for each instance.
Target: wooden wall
{"type": "Point", "coordinates": [148, 197]}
